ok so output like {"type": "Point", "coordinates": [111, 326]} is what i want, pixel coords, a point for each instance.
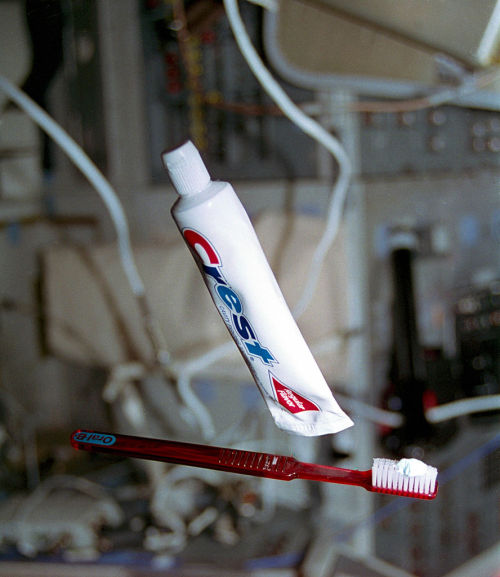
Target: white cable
{"type": "Point", "coordinates": [196, 365]}
{"type": "Point", "coordinates": [371, 413]}
{"type": "Point", "coordinates": [463, 407]}
{"type": "Point", "coordinates": [198, 409]}
{"type": "Point", "coordinates": [468, 85]}
{"type": "Point", "coordinates": [439, 414]}
{"type": "Point", "coordinates": [184, 375]}
{"type": "Point", "coordinates": [117, 214]}
{"type": "Point", "coordinates": [315, 131]}
{"type": "Point", "coordinates": [89, 169]}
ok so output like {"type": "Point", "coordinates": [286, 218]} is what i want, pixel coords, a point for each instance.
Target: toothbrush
{"type": "Point", "coordinates": [406, 478]}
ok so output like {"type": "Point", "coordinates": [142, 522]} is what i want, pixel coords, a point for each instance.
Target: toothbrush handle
{"type": "Point", "coordinates": [219, 458]}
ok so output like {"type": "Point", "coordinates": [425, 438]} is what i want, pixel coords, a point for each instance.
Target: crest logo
{"type": "Point", "coordinates": [232, 308]}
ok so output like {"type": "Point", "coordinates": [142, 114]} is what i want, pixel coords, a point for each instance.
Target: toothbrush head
{"type": "Point", "coordinates": [407, 478]}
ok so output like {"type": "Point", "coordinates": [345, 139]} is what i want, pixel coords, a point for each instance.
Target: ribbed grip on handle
{"type": "Point", "coordinates": [263, 464]}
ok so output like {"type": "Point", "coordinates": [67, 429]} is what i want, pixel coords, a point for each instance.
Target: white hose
{"type": "Point", "coordinates": [434, 415]}
{"type": "Point", "coordinates": [195, 405]}
{"type": "Point", "coordinates": [402, 93]}
{"type": "Point", "coordinates": [90, 171]}
{"type": "Point", "coordinates": [463, 407]}
{"type": "Point", "coordinates": [118, 217]}
{"type": "Point", "coordinates": [371, 413]}
{"type": "Point", "coordinates": [315, 131]}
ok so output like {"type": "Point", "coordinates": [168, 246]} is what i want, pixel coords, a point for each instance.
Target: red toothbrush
{"type": "Point", "coordinates": [407, 478]}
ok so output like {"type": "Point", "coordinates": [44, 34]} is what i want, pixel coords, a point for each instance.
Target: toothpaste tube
{"type": "Point", "coordinates": [223, 242]}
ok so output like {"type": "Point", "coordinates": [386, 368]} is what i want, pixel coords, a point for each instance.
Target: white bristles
{"type": "Point", "coordinates": [397, 477]}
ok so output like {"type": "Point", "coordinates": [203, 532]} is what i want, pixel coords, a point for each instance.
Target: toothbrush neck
{"type": "Point", "coordinates": [315, 472]}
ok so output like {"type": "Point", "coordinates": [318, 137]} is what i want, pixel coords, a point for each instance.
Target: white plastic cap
{"type": "Point", "coordinates": [186, 169]}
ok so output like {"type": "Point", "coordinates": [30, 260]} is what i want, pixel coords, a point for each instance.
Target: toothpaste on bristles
{"type": "Point", "coordinates": [224, 244]}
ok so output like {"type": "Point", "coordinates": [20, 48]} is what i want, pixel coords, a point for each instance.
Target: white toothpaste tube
{"type": "Point", "coordinates": [223, 242]}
